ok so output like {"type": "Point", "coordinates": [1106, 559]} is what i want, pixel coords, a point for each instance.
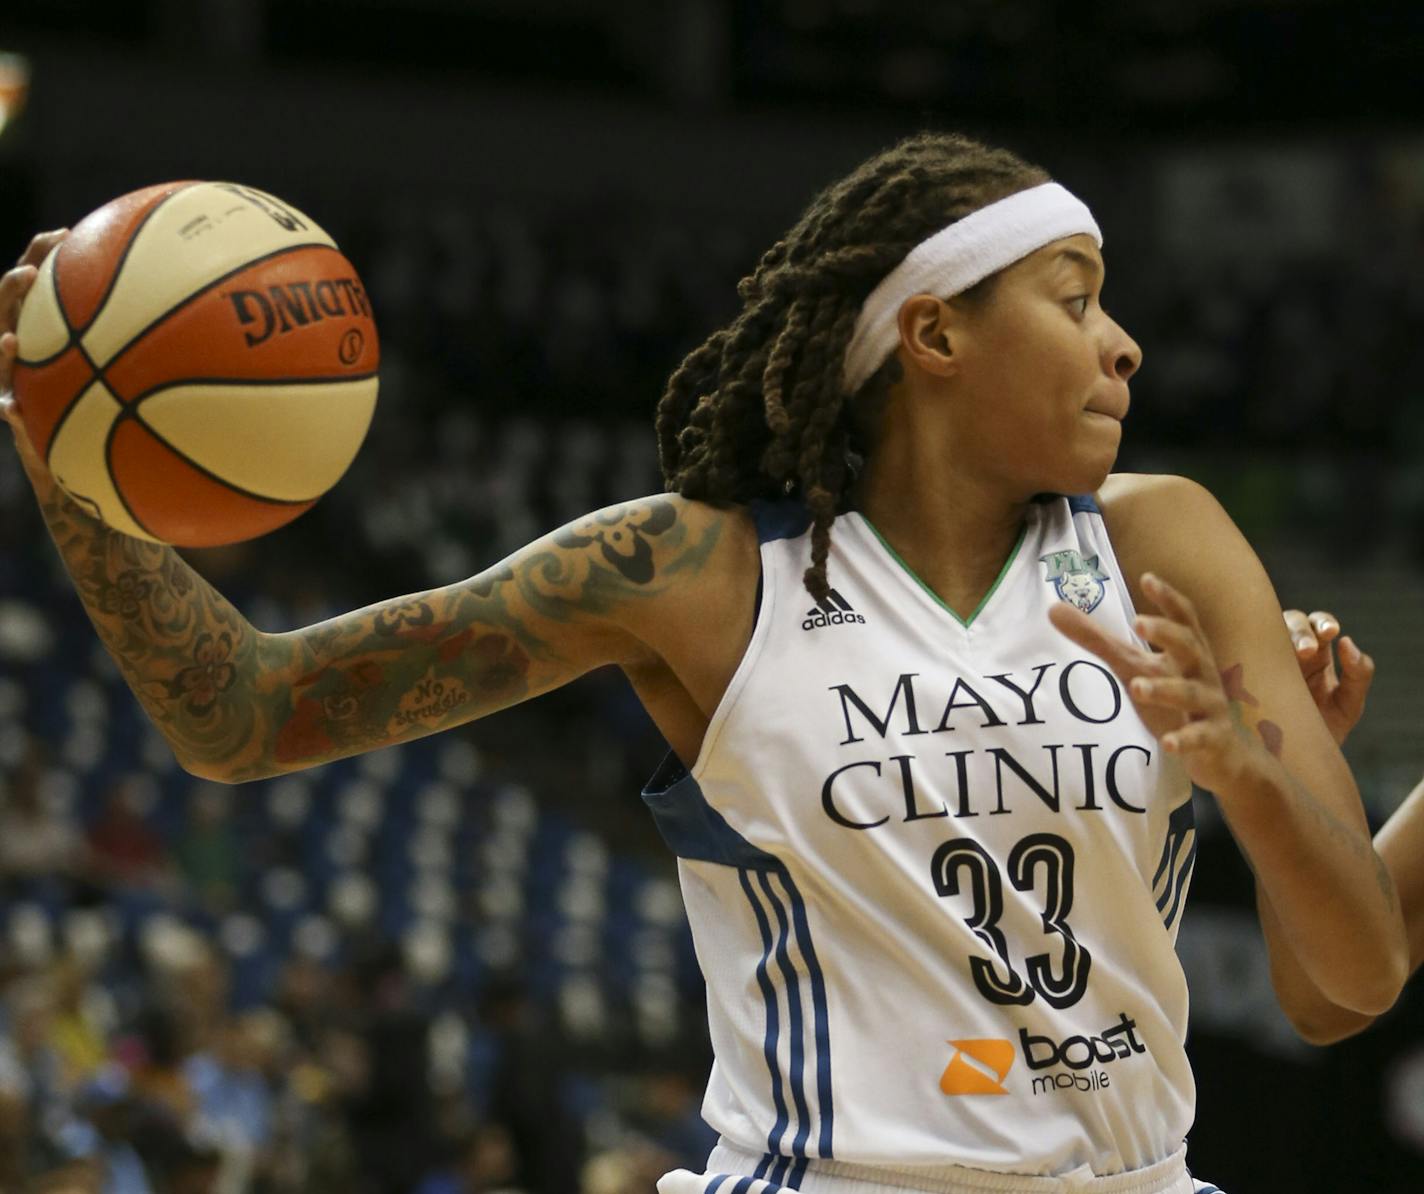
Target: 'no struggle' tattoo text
{"type": "Point", "coordinates": [244, 705]}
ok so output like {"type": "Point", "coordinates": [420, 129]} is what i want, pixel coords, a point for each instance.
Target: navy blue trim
{"type": "Point", "coordinates": [778, 1171]}
{"type": "Point", "coordinates": [743, 1186]}
{"type": "Point", "coordinates": [795, 1027]}
{"type": "Point", "coordinates": [1180, 823]}
{"type": "Point", "coordinates": [765, 1163]}
{"type": "Point", "coordinates": [822, 1018]}
{"type": "Point", "coordinates": [798, 1171]}
{"type": "Point", "coordinates": [773, 1018]}
{"type": "Point", "coordinates": [779, 520]}
{"type": "Point", "coordinates": [715, 1182]}
{"type": "Point", "coordinates": [1084, 503]}
{"type": "Point", "coordinates": [1183, 878]}
{"type": "Point", "coordinates": [691, 827]}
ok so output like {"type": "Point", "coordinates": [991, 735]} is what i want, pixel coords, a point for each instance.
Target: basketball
{"type": "Point", "coordinates": [197, 363]}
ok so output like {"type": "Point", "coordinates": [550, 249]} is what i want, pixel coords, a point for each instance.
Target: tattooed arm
{"type": "Point", "coordinates": [1328, 903]}
{"type": "Point", "coordinates": [595, 592]}
{"type": "Point", "coordinates": [236, 704]}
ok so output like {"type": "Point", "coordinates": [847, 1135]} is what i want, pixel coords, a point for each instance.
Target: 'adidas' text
{"type": "Point", "coordinates": [834, 611]}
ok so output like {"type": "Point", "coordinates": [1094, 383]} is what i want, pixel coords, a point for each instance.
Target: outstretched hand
{"type": "Point", "coordinates": [1336, 671]}
{"type": "Point", "coordinates": [1178, 690]}
{"type": "Point", "coordinates": [14, 285]}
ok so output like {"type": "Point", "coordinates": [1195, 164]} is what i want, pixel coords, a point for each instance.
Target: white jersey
{"type": "Point", "coordinates": [934, 869]}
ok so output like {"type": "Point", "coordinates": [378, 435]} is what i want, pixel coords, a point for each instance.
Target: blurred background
{"type": "Point", "coordinates": [461, 967]}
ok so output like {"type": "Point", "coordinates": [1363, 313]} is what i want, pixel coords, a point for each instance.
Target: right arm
{"type": "Point", "coordinates": [236, 704]}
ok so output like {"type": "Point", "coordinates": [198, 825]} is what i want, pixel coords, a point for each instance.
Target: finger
{"type": "Point", "coordinates": [1197, 735]}
{"type": "Point", "coordinates": [1301, 632]}
{"type": "Point", "coordinates": [1182, 644]}
{"type": "Point", "coordinates": [1177, 692]}
{"type": "Point", "coordinates": [1325, 625]}
{"type": "Point", "coordinates": [9, 350]}
{"type": "Point", "coordinates": [1357, 673]}
{"type": "Point", "coordinates": [1322, 683]}
{"type": "Point", "coordinates": [1124, 658]}
{"type": "Point", "coordinates": [42, 246]}
{"type": "Point", "coordinates": [14, 285]}
{"type": "Point", "coordinates": [1174, 604]}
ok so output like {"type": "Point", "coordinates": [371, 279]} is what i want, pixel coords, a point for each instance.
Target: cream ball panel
{"type": "Point", "coordinates": [288, 442]}
{"type": "Point", "coordinates": [78, 460]}
{"type": "Point", "coordinates": [42, 331]}
{"type": "Point", "coordinates": [195, 237]}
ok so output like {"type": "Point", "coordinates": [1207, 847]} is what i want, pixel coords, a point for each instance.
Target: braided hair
{"type": "Point", "coordinates": [759, 409]}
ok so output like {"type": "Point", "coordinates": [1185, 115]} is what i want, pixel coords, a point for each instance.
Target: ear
{"type": "Point", "coordinates": [929, 331]}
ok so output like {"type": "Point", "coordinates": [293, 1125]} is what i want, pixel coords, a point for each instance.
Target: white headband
{"type": "Point", "coordinates": [953, 259]}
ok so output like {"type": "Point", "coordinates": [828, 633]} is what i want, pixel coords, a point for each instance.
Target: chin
{"type": "Point", "coordinates": [1088, 477]}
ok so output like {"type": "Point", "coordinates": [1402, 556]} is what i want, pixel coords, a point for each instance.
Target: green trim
{"type": "Point", "coordinates": [938, 600]}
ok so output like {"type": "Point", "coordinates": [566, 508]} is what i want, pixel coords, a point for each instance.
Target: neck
{"type": "Point", "coordinates": [952, 526]}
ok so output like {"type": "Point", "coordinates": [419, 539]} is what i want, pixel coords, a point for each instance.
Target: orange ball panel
{"type": "Point", "coordinates": [149, 474]}
{"type": "Point", "coordinates": [91, 253]}
{"type": "Point", "coordinates": [301, 315]}
{"type": "Point", "coordinates": [49, 390]}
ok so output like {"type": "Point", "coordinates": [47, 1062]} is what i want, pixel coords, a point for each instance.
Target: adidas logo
{"type": "Point", "coordinates": [834, 611]}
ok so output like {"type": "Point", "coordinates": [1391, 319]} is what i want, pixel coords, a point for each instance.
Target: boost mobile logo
{"type": "Point", "coordinates": [977, 1067]}
{"type": "Point", "coordinates": [980, 1066]}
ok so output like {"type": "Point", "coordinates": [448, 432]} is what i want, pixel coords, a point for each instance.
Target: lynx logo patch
{"type": "Point", "coordinates": [1077, 581]}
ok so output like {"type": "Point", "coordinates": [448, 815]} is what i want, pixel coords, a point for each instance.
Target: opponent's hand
{"type": "Point", "coordinates": [14, 285]}
{"type": "Point", "coordinates": [1337, 672]}
{"type": "Point", "coordinates": [1177, 689]}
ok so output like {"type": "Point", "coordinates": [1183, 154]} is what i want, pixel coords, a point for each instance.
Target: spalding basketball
{"type": "Point", "coordinates": [197, 363]}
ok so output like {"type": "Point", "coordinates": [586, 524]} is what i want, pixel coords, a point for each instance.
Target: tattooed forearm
{"type": "Point", "coordinates": [179, 644]}
{"type": "Point", "coordinates": [1355, 840]}
{"type": "Point", "coordinates": [1245, 711]}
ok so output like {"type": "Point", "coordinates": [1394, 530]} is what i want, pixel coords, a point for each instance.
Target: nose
{"type": "Point", "coordinates": [1123, 353]}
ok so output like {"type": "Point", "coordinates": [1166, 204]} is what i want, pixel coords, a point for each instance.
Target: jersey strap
{"type": "Point", "coordinates": [691, 827]}
{"type": "Point", "coordinates": [779, 520]}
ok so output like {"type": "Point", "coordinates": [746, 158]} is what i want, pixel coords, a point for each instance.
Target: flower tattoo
{"type": "Point", "coordinates": [211, 674]}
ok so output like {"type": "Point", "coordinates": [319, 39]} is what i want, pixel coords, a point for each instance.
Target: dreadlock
{"type": "Point", "coordinates": [758, 410]}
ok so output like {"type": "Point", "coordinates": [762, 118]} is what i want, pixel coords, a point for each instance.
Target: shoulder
{"type": "Point", "coordinates": [1176, 528]}
{"type": "Point", "coordinates": [639, 534]}
{"type": "Point", "coordinates": [1153, 504]}
{"type": "Point", "coordinates": [666, 561]}
{"type": "Point", "coordinates": [1156, 519]}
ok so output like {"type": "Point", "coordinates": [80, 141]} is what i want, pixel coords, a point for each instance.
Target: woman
{"type": "Point", "coordinates": [934, 851]}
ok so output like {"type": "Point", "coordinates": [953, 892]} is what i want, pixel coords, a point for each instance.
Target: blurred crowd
{"type": "Point", "coordinates": [203, 990]}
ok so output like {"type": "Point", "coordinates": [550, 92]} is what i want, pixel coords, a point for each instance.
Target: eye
{"type": "Point", "coordinates": [1079, 305]}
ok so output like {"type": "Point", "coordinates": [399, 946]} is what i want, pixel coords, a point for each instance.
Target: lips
{"type": "Point", "coordinates": [1113, 408]}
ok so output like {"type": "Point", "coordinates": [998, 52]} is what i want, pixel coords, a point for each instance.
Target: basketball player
{"type": "Point", "coordinates": [933, 723]}
{"type": "Point", "coordinates": [1339, 693]}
